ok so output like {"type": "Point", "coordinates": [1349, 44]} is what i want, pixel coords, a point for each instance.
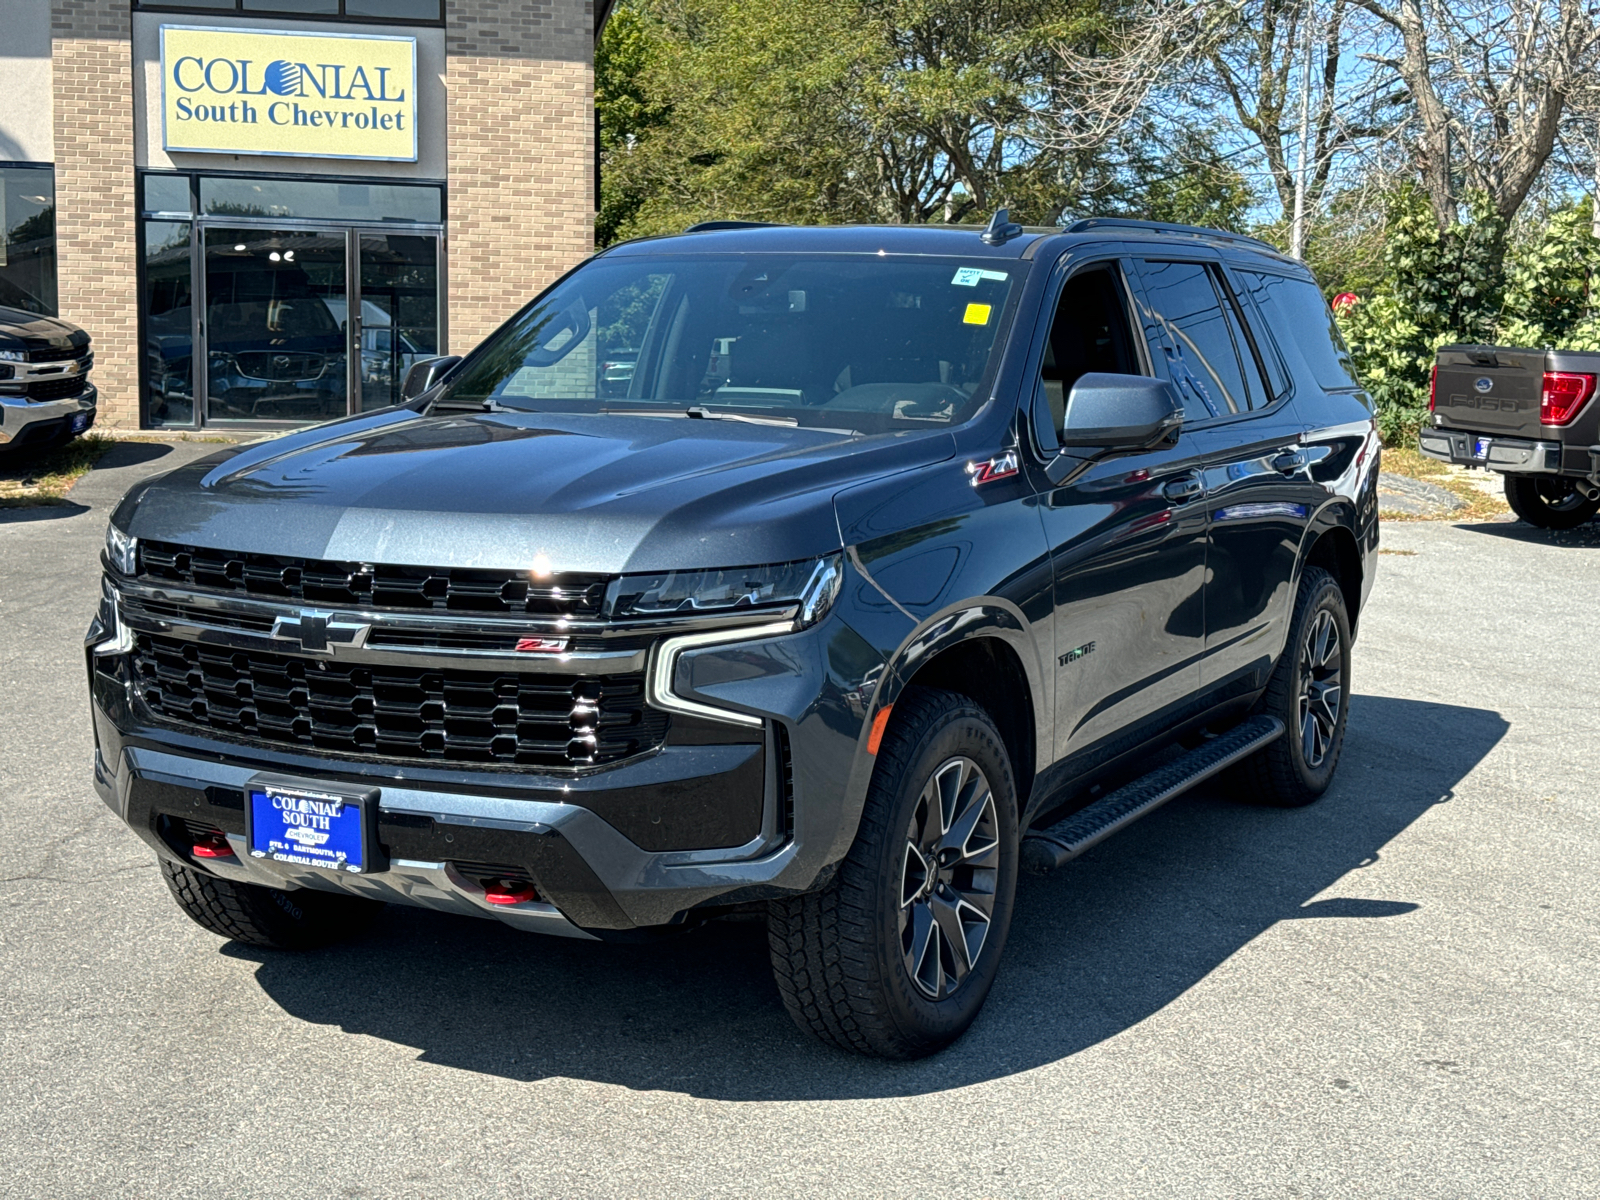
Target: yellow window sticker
{"type": "Point", "coordinates": [977, 314]}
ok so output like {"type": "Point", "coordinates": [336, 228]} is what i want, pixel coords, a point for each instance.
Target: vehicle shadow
{"type": "Point", "coordinates": [1096, 948]}
{"type": "Point", "coordinates": [1586, 536]}
{"type": "Point", "coordinates": [131, 454]}
{"type": "Point", "coordinates": [41, 512]}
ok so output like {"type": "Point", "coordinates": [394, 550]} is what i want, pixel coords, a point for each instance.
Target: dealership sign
{"type": "Point", "coordinates": [312, 95]}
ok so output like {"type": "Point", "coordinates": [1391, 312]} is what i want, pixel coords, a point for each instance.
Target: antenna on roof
{"type": "Point", "coordinates": [1000, 229]}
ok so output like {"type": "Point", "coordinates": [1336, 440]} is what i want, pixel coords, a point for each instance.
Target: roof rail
{"type": "Point", "coordinates": [1089, 223]}
{"type": "Point", "coordinates": [707, 226]}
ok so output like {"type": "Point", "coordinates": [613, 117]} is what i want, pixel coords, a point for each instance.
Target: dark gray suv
{"type": "Point", "coordinates": [883, 572]}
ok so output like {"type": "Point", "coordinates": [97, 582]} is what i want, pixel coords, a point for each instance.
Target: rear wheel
{"type": "Point", "coordinates": [1310, 693]}
{"type": "Point", "coordinates": [302, 919]}
{"type": "Point", "coordinates": [1549, 501]}
{"type": "Point", "coordinates": [896, 956]}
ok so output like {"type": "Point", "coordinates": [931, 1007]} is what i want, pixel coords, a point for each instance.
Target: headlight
{"type": "Point", "coordinates": [810, 585]}
{"type": "Point", "coordinates": [13, 356]}
{"type": "Point", "coordinates": [122, 551]}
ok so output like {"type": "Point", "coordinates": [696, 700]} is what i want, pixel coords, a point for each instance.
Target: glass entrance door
{"type": "Point", "coordinates": [399, 320]}
{"type": "Point", "coordinates": [276, 325]}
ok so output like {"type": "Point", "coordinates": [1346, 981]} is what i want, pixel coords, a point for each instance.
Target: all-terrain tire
{"type": "Point", "coordinates": [302, 919]}
{"type": "Point", "coordinates": [840, 955]}
{"type": "Point", "coordinates": [1298, 767]}
{"type": "Point", "coordinates": [1549, 502]}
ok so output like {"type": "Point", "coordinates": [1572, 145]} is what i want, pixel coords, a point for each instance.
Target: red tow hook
{"type": "Point", "coordinates": [509, 891]}
{"type": "Point", "coordinates": [211, 845]}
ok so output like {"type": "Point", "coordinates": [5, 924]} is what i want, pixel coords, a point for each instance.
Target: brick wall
{"type": "Point", "coordinates": [520, 81]}
{"type": "Point", "coordinates": [97, 265]}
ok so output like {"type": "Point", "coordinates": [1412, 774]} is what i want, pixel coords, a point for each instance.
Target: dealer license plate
{"type": "Point", "coordinates": [307, 828]}
{"type": "Point", "coordinates": [1480, 448]}
{"type": "Point", "coordinates": [80, 422]}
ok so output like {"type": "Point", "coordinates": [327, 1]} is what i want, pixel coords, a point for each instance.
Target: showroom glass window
{"type": "Point", "coordinates": [28, 238]}
{"type": "Point", "coordinates": [428, 12]}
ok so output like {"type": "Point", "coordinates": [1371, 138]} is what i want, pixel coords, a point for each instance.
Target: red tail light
{"type": "Point", "coordinates": [1565, 392]}
{"type": "Point", "coordinates": [1433, 387]}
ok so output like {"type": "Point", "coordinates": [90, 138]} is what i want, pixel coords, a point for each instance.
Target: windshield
{"type": "Point", "coordinates": [864, 343]}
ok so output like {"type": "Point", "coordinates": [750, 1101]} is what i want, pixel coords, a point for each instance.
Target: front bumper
{"type": "Point", "coordinates": [583, 837]}
{"type": "Point", "coordinates": [24, 422]}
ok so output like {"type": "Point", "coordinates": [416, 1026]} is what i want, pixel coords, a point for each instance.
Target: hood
{"type": "Point", "coordinates": [30, 331]}
{"type": "Point", "coordinates": [600, 494]}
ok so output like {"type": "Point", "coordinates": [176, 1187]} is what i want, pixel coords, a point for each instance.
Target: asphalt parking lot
{"type": "Point", "coordinates": [1395, 992]}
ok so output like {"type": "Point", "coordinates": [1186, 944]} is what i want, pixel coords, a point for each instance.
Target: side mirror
{"type": "Point", "coordinates": [1126, 413]}
{"type": "Point", "coordinates": [424, 373]}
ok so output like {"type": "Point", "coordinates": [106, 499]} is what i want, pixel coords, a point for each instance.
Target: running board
{"type": "Point", "coordinates": [1046, 849]}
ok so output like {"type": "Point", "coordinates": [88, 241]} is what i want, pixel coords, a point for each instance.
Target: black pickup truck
{"type": "Point", "coordinates": [1529, 414]}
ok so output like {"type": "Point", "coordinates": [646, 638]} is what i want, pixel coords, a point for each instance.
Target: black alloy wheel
{"type": "Point", "coordinates": [1549, 501]}
{"type": "Point", "coordinates": [947, 880]}
{"type": "Point", "coordinates": [1321, 694]}
{"type": "Point", "coordinates": [896, 955]}
{"type": "Point", "coordinates": [1309, 691]}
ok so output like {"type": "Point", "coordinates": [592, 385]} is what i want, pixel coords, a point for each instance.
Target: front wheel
{"type": "Point", "coordinates": [1310, 693]}
{"type": "Point", "coordinates": [896, 955]}
{"type": "Point", "coordinates": [1549, 501]}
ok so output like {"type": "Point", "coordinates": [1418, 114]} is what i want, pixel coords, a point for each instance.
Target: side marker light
{"type": "Point", "coordinates": [879, 722]}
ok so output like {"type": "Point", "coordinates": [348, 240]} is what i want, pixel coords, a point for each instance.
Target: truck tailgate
{"type": "Point", "coordinates": [1489, 390]}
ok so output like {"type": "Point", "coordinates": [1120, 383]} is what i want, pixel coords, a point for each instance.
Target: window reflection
{"type": "Point", "coordinates": [28, 239]}
{"type": "Point", "coordinates": [314, 200]}
{"type": "Point", "coordinates": [169, 317]}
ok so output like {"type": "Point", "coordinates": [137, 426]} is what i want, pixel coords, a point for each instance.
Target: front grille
{"type": "Point", "coordinates": [448, 715]}
{"type": "Point", "coordinates": [158, 610]}
{"type": "Point", "coordinates": [280, 367]}
{"type": "Point", "coordinates": [56, 389]}
{"type": "Point", "coordinates": [57, 354]}
{"type": "Point", "coordinates": [439, 641]}
{"type": "Point", "coordinates": [367, 585]}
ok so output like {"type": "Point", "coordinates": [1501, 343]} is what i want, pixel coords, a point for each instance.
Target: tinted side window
{"type": "Point", "coordinates": [1089, 333]}
{"type": "Point", "coordinates": [1200, 344]}
{"type": "Point", "coordinates": [1299, 315]}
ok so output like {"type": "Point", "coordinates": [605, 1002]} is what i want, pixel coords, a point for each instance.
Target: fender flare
{"type": "Point", "coordinates": [988, 617]}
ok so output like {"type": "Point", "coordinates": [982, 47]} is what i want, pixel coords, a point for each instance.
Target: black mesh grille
{"type": "Point", "coordinates": [429, 589]}
{"type": "Point", "coordinates": [57, 354]}
{"type": "Point", "coordinates": [451, 715]}
{"type": "Point", "coordinates": [57, 389]}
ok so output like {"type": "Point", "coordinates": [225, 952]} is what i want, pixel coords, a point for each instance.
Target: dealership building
{"type": "Point", "coordinates": [264, 210]}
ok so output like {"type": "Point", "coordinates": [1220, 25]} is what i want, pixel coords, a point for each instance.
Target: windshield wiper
{"type": "Point", "coordinates": [487, 404]}
{"type": "Point", "coordinates": [705, 414]}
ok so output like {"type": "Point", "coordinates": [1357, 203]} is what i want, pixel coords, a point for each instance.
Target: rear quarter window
{"type": "Point", "coordinates": [1299, 316]}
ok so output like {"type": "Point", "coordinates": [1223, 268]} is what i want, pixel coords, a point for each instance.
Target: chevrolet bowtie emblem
{"type": "Point", "coordinates": [319, 632]}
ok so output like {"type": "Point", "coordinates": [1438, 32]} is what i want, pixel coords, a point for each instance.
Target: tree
{"type": "Point", "coordinates": [1488, 81]}
{"type": "Point", "coordinates": [894, 110]}
{"type": "Point", "coordinates": [624, 111]}
{"type": "Point", "coordinates": [1256, 66]}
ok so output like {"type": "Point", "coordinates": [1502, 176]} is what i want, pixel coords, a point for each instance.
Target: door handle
{"type": "Point", "coordinates": [1289, 462]}
{"type": "Point", "coordinates": [1185, 487]}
